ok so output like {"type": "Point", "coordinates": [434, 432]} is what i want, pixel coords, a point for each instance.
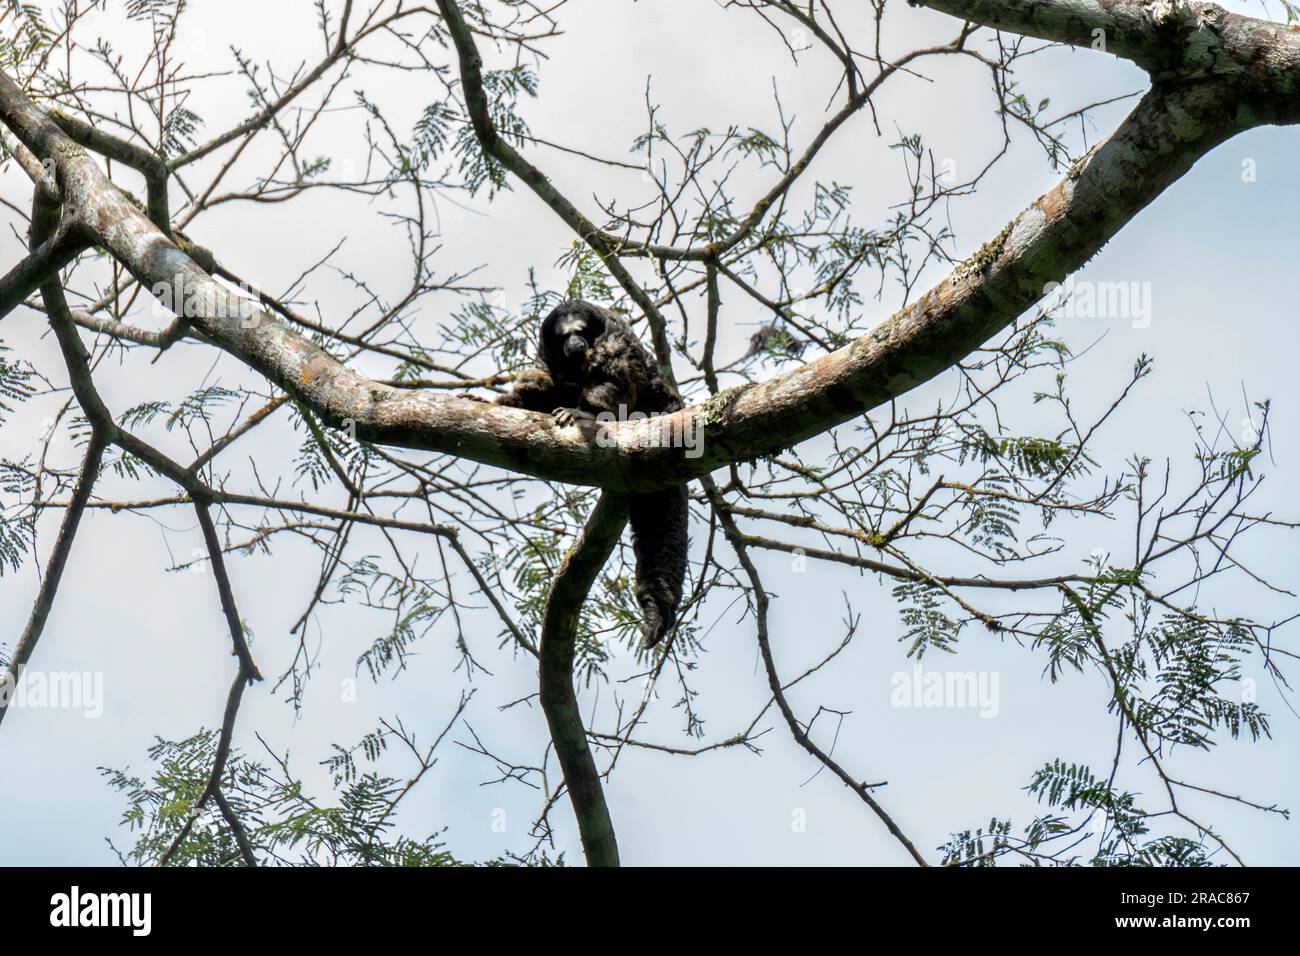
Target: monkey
{"type": "Point", "coordinates": [589, 361]}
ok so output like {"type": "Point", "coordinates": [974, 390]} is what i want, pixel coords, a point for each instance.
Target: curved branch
{"type": "Point", "coordinates": [146, 162]}
{"type": "Point", "coordinates": [559, 701]}
{"type": "Point", "coordinates": [1173, 126]}
{"type": "Point", "coordinates": [604, 245]}
{"type": "Point", "coordinates": [35, 268]}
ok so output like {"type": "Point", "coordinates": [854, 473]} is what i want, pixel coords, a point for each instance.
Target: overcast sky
{"type": "Point", "coordinates": [1218, 253]}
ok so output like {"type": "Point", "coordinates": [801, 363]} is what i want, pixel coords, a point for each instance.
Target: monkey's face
{"type": "Point", "coordinates": [575, 336]}
{"type": "Point", "coordinates": [570, 339]}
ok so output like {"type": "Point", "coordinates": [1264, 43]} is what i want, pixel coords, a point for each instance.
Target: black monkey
{"type": "Point", "coordinates": [589, 361]}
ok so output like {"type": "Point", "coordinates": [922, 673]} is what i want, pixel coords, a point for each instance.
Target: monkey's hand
{"type": "Point", "coordinates": [564, 417]}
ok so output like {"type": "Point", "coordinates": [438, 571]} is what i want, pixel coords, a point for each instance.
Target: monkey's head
{"type": "Point", "coordinates": [568, 335]}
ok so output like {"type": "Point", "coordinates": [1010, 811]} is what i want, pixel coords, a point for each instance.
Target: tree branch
{"type": "Point", "coordinates": [1173, 126]}
{"type": "Point", "coordinates": [37, 266]}
{"type": "Point", "coordinates": [797, 730]}
{"type": "Point", "coordinates": [569, 590]}
{"type": "Point", "coordinates": [1164, 37]}
{"type": "Point", "coordinates": [146, 162]}
{"type": "Point", "coordinates": [54, 569]}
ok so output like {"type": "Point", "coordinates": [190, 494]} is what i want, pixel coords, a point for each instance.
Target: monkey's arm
{"type": "Point", "coordinates": [536, 391]}
{"type": "Point", "coordinates": [533, 390]}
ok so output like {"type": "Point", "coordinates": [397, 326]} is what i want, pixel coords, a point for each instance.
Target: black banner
{"type": "Point", "coordinates": [304, 904]}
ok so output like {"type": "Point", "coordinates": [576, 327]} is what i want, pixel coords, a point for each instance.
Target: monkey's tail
{"type": "Point", "coordinates": [660, 521]}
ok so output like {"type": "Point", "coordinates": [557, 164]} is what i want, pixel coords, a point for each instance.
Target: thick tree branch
{"type": "Point", "coordinates": [569, 590]}
{"type": "Point", "coordinates": [1173, 126]}
{"type": "Point", "coordinates": [37, 266]}
{"type": "Point", "coordinates": [1167, 38]}
{"type": "Point", "coordinates": [152, 166]}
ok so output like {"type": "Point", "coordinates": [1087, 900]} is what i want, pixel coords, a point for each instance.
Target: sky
{"type": "Point", "coordinates": [1217, 252]}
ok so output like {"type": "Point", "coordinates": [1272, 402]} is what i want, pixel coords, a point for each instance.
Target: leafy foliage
{"type": "Point", "coordinates": [284, 824]}
{"type": "Point", "coordinates": [432, 137]}
{"type": "Point", "coordinates": [15, 382]}
{"type": "Point", "coordinates": [414, 606]}
{"type": "Point", "coordinates": [26, 36]}
{"type": "Point", "coordinates": [927, 626]}
{"type": "Point", "coordinates": [1094, 824]}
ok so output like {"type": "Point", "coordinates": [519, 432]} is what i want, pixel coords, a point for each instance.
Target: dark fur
{"type": "Point", "coordinates": [615, 370]}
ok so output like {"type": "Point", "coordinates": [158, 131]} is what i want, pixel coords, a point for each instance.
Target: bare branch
{"type": "Point", "coordinates": [568, 592]}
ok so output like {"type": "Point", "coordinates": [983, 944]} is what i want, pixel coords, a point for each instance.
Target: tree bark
{"type": "Point", "coordinates": [559, 701]}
